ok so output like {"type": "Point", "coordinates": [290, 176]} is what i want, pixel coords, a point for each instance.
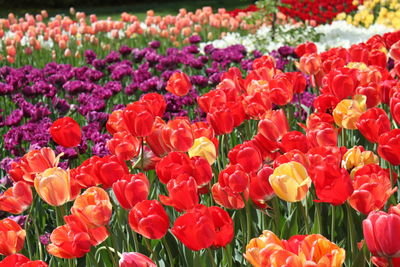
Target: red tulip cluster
{"type": "Point", "coordinates": [319, 11]}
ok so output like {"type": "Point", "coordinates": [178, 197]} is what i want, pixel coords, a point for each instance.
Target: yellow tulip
{"type": "Point", "coordinates": [355, 158]}
{"type": "Point", "coordinates": [348, 111]}
{"type": "Point", "coordinates": [53, 186]}
{"type": "Point", "coordinates": [204, 148]}
{"type": "Point", "coordinates": [290, 181]}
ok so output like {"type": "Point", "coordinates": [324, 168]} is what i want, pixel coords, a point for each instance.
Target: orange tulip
{"type": "Point", "coordinates": [32, 163]}
{"type": "Point", "coordinates": [53, 186]}
{"type": "Point", "coordinates": [17, 198]}
{"type": "Point", "coordinates": [12, 237]}
{"type": "Point", "coordinates": [179, 84]}
{"type": "Point", "coordinates": [93, 207]}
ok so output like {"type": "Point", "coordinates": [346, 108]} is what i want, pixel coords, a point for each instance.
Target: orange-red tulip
{"type": "Point", "coordinates": [373, 123]}
{"type": "Point", "coordinates": [17, 198]}
{"type": "Point", "coordinates": [93, 207]}
{"type": "Point", "coordinates": [179, 84]}
{"type": "Point", "coordinates": [32, 163]}
{"type": "Point", "coordinates": [135, 259]}
{"type": "Point", "coordinates": [12, 237]}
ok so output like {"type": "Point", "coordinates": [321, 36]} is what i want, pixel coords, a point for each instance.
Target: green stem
{"type": "Point", "coordinates": [390, 261]}
{"type": "Point", "coordinates": [151, 250]}
{"type": "Point", "coordinates": [275, 206]}
{"type": "Point", "coordinates": [210, 255]}
{"type": "Point", "coordinates": [333, 223]}
{"type": "Point", "coordinates": [167, 248]}
{"type": "Point", "coordinates": [351, 230]}
{"type": "Point", "coordinates": [248, 222]}
{"type": "Point", "coordinates": [305, 216]}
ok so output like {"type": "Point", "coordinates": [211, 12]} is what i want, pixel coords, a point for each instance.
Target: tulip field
{"type": "Point", "coordinates": [263, 136]}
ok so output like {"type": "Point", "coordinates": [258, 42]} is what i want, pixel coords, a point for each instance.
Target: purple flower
{"type": "Point", "coordinates": [45, 239]}
{"type": "Point", "coordinates": [125, 50]}
{"type": "Point", "coordinates": [286, 51]}
{"type": "Point", "coordinates": [20, 219]}
{"type": "Point", "coordinates": [14, 118]}
{"type": "Point", "coordinates": [194, 39]}
{"type": "Point", "coordinates": [155, 44]}
{"type": "Point", "coordinates": [90, 56]}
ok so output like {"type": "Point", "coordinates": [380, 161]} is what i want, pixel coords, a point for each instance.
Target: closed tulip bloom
{"type": "Point", "coordinates": [149, 219]}
{"type": "Point", "coordinates": [32, 163]}
{"type": "Point", "coordinates": [290, 181]}
{"type": "Point", "coordinates": [202, 173]}
{"type": "Point", "coordinates": [17, 198]}
{"type": "Point", "coordinates": [260, 189]}
{"type": "Point", "coordinates": [66, 132]}
{"type": "Point", "coordinates": [155, 103]}
{"type": "Point", "coordinates": [394, 52]}
{"type": "Point", "coordinates": [348, 111]}
{"type": "Point", "coordinates": [138, 119]}
{"type": "Point", "coordinates": [124, 146]}
{"type": "Point", "coordinates": [135, 259]}
{"type": "Point", "coordinates": [372, 188]}
{"type": "Point", "coordinates": [332, 184]}
{"type": "Point", "coordinates": [115, 122]}
{"type": "Point", "coordinates": [373, 123]}
{"type": "Point", "coordinates": [247, 155]}
{"type": "Point", "coordinates": [195, 229]}
{"type": "Point", "coordinates": [203, 147]}
{"type": "Point", "coordinates": [131, 189]}
{"type": "Point", "coordinates": [179, 84]}
{"type": "Point", "coordinates": [53, 186]}
{"type": "Point", "coordinates": [93, 207]}
{"type": "Point", "coordinates": [310, 63]}
{"type": "Point", "coordinates": [342, 82]}
{"type": "Point", "coordinates": [19, 260]}
{"type": "Point", "coordinates": [97, 235]}
{"type": "Point", "coordinates": [172, 164]}
{"type": "Point", "coordinates": [12, 237]}
{"type": "Point", "coordinates": [389, 146]}
{"type": "Point", "coordinates": [155, 141]}
{"type": "Point", "coordinates": [178, 134]}
{"type": "Point", "coordinates": [226, 197]}
{"type": "Point", "coordinates": [381, 231]}
{"type": "Point", "coordinates": [221, 121]}
{"type": "Point", "coordinates": [294, 140]}
{"type": "Point", "coordinates": [182, 192]}
{"type": "Point", "coordinates": [395, 106]}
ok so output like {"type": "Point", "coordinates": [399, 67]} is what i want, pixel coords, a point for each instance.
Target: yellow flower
{"type": "Point", "coordinates": [348, 111]}
{"type": "Point", "coordinates": [203, 147]}
{"type": "Point", "coordinates": [290, 181]}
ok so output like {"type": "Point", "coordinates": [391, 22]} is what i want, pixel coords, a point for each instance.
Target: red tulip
{"type": "Point", "coordinates": [389, 146]}
{"type": "Point", "coordinates": [380, 232]}
{"type": "Point", "coordinates": [223, 225]}
{"type": "Point", "coordinates": [115, 122]}
{"type": "Point", "coordinates": [124, 146]}
{"type": "Point", "coordinates": [298, 81]}
{"type": "Point", "coordinates": [182, 192]}
{"type": "Point", "coordinates": [293, 155]}
{"type": "Point", "coordinates": [138, 119]}
{"type": "Point", "coordinates": [395, 106]}
{"type": "Point", "coordinates": [202, 173]}
{"type": "Point", "coordinates": [394, 52]}
{"type": "Point", "coordinates": [305, 48]}
{"type": "Point", "coordinates": [17, 198]}
{"type": "Point", "coordinates": [178, 134]}
{"type": "Point", "coordinates": [97, 235]}
{"type": "Point", "coordinates": [256, 104]}
{"type": "Point", "coordinates": [247, 155]}
{"type": "Point", "coordinates": [221, 121]}
{"type": "Point", "coordinates": [373, 123]}
{"type": "Point", "coordinates": [155, 140]}
{"type": "Point", "coordinates": [342, 82]}
{"type": "Point", "coordinates": [66, 132]}
{"type": "Point", "coordinates": [155, 103]}
{"type": "Point", "coordinates": [131, 189]}
{"type": "Point", "coordinates": [325, 103]}
{"type": "Point", "coordinates": [372, 188]}
{"type": "Point", "coordinates": [332, 185]}
{"type": "Point", "coordinates": [173, 164]}
{"type": "Point", "coordinates": [234, 177]}
{"type": "Point", "coordinates": [19, 260]}
{"type": "Point", "coordinates": [96, 170]}
{"type": "Point", "coordinates": [135, 259]}
{"type": "Point", "coordinates": [179, 84]}
{"type": "Point", "coordinates": [294, 140]}
{"type": "Point", "coordinates": [149, 219]}
{"type": "Point", "coordinates": [213, 100]}
{"type": "Point", "coordinates": [203, 227]}
{"type": "Point", "coordinates": [264, 61]}
{"type": "Point", "coordinates": [12, 237]}
{"type": "Point", "coordinates": [281, 89]}
{"type": "Point", "coordinates": [227, 198]}
{"type": "Point", "coordinates": [260, 190]}
{"type": "Point", "coordinates": [310, 63]}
